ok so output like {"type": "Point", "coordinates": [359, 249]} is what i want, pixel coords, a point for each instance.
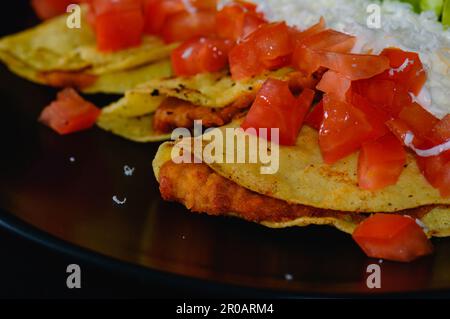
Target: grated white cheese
{"type": "Point", "coordinates": [422, 225]}
{"type": "Point", "coordinates": [401, 68]}
{"type": "Point", "coordinates": [400, 27]}
{"type": "Point", "coordinates": [288, 277]}
{"type": "Point", "coordinates": [118, 201]}
{"type": "Point", "coordinates": [128, 171]}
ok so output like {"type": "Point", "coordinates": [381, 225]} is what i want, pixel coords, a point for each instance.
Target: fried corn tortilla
{"type": "Point", "coordinates": [209, 90]}
{"type": "Point", "coordinates": [315, 193]}
{"type": "Point", "coordinates": [45, 53]}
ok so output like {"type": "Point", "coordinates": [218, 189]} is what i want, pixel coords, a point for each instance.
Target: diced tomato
{"type": "Point", "coordinates": [376, 116]}
{"type": "Point", "coordinates": [392, 237]}
{"type": "Point", "coordinates": [244, 63]}
{"type": "Point", "coordinates": [46, 9]}
{"type": "Point", "coordinates": [343, 130]}
{"type": "Point", "coordinates": [330, 40]}
{"type": "Point", "coordinates": [69, 113]}
{"type": "Point", "coordinates": [381, 162]}
{"type": "Point", "coordinates": [156, 13]}
{"type": "Point", "coordinates": [300, 36]}
{"type": "Point", "coordinates": [400, 129]}
{"type": "Point", "coordinates": [204, 4]}
{"type": "Point", "coordinates": [185, 25]}
{"type": "Point", "coordinates": [276, 107]}
{"type": "Point", "coordinates": [100, 7]}
{"type": "Point", "coordinates": [315, 117]}
{"type": "Point", "coordinates": [335, 84]}
{"type": "Point", "coordinates": [378, 92]}
{"type": "Point", "coordinates": [119, 24]}
{"type": "Point", "coordinates": [418, 119]}
{"type": "Point", "coordinates": [235, 21]}
{"type": "Point", "coordinates": [436, 170]}
{"type": "Point", "coordinates": [406, 70]}
{"type": "Point", "coordinates": [200, 55]}
{"type": "Point", "coordinates": [441, 131]}
{"type": "Point", "coordinates": [269, 47]}
{"type": "Point", "coordinates": [353, 66]}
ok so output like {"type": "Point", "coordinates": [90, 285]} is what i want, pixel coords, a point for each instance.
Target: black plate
{"type": "Point", "coordinates": [68, 205]}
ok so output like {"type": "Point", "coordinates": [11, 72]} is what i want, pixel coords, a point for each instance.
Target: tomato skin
{"type": "Point", "coordinates": [200, 55]}
{"type": "Point", "coordinates": [343, 130]}
{"type": "Point", "coordinates": [380, 163]}
{"type": "Point", "coordinates": [235, 21]}
{"type": "Point", "coordinates": [392, 237]}
{"type": "Point", "coordinates": [184, 25]}
{"type": "Point", "coordinates": [269, 47]}
{"type": "Point", "coordinates": [276, 107]}
{"type": "Point", "coordinates": [329, 40]}
{"type": "Point", "coordinates": [300, 36]}
{"type": "Point", "coordinates": [315, 118]}
{"type": "Point", "coordinates": [353, 66]}
{"type": "Point", "coordinates": [46, 9]}
{"type": "Point", "coordinates": [69, 113]}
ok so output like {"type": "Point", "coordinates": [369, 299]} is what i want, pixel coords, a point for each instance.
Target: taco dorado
{"type": "Point", "coordinates": [92, 59]}
{"type": "Point", "coordinates": [371, 158]}
{"type": "Point", "coordinates": [202, 88]}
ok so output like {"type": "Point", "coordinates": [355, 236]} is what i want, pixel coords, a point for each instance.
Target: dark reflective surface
{"type": "Point", "coordinates": [72, 200]}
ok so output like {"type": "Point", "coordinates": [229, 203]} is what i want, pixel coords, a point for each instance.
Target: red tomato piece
{"type": "Point", "coordinates": [156, 13]}
{"type": "Point", "coordinates": [119, 24]}
{"type": "Point", "coordinates": [400, 129]}
{"type": "Point", "coordinates": [200, 55]}
{"type": "Point", "coordinates": [300, 36]}
{"type": "Point", "coordinates": [380, 163]}
{"type": "Point", "coordinates": [69, 113]}
{"type": "Point", "coordinates": [330, 40]}
{"type": "Point", "coordinates": [269, 47]}
{"type": "Point", "coordinates": [353, 66]}
{"type": "Point", "coordinates": [406, 69]}
{"type": "Point", "coordinates": [378, 92]}
{"type": "Point", "coordinates": [436, 170]}
{"type": "Point", "coordinates": [235, 21]}
{"type": "Point", "coordinates": [276, 107]}
{"type": "Point", "coordinates": [376, 116]}
{"type": "Point", "coordinates": [315, 117]}
{"type": "Point", "coordinates": [418, 119]}
{"type": "Point", "coordinates": [343, 130]}
{"type": "Point", "coordinates": [46, 9]}
{"type": "Point", "coordinates": [441, 131]}
{"type": "Point", "coordinates": [184, 26]}
{"type": "Point", "coordinates": [392, 237]}
{"type": "Point", "coordinates": [335, 84]}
